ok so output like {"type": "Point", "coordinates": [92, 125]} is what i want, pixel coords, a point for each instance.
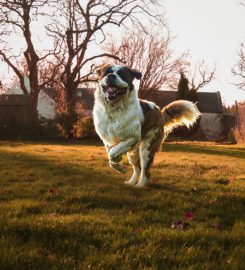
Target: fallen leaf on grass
{"type": "Point", "coordinates": [178, 224]}
{"type": "Point", "coordinates": [190, 216]}
{"type": "Point", "coordinates": [54, 191]}
{"type": "Point", "coordinates": [216, 226]}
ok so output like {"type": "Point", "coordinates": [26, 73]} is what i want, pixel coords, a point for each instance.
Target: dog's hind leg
{"type": "Point", "coordinates": [148, 147]}
{"type": "Point", "coordinates": [134, 160]}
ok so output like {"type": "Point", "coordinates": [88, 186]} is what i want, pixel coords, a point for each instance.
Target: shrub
{"type": "Point", "coordinates": [42, 128]}
{"type": "Point", "coordinates": [236, 136]}
{"type": "Point", "coordinates": [64, 122]}
{"type": "Point", "coordinates": [76, 126]}
{"type": "Point", "coordinates": [84, 128]}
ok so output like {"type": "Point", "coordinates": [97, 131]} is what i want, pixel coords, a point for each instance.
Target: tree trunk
{"type": "Point", "coordinates": [32, 107]}
{"type": "Point", "coordinates": [72, 116]}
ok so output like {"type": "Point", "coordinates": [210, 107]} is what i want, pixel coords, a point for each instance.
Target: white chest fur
{"type": "Point", "coordinates": [117, 122]}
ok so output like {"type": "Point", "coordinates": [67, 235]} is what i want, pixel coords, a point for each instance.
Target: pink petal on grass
{"type": "Point", "coordinates": [54, 191]}
{"type": "Point", "coordinates": [190, 216]}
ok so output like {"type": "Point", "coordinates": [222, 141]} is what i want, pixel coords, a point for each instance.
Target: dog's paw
{"type": "Point", "coordinates": [132, 181]}
{"type": "Point", "coordinates": [122, 170]}
{"type": "Point", "coordinates": [142, 183]}
{"type": "Point", "coordinates": [129, 183]}
{"type": "Point", "coordinates": [117, 167]}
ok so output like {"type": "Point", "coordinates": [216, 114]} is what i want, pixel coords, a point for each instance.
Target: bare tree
{"type": "Point", "coordinates": [187, 90]}
{"type": "Point", "coordinates": [85, 23]}
{"type": "Point", "coordinates": [79, 25]}
{"type": "Point", "coordinates": [151, 54]}
{"type": "Point", "coordinates": [239, 69]}
{"type": "Point", "coordinates": [242, 3]}
{"type": "Point", "coordinates": [202, 76]}
{"type": "Point", "coordinates": [16, 17]}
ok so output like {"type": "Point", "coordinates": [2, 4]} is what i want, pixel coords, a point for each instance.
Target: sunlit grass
{"type": "Point", "coordinates": [62, 207]}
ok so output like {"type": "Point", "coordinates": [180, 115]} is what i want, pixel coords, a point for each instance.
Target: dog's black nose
{"type": "Point", "coordinates": [111, 76]}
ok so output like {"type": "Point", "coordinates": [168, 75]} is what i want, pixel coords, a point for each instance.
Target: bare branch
{"type": "Point", "coordinates": [239, 70]}
{"type": "Point", "coordinates": [17, 72]}
{"type": "Point", "coordinates": [202, 76]}
{"type": "Point", "coordinates": [242, 3]}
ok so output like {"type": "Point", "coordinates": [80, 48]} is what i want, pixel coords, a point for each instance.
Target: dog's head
{"type": "Point", "coordinates": [116, 81]}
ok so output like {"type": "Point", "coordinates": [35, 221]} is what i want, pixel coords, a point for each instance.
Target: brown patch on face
{"type": "Point", "coordinates": [102, 70]}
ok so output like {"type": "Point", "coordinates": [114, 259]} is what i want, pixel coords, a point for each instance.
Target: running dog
{"type": "Point", "coordinates": [127, 124]}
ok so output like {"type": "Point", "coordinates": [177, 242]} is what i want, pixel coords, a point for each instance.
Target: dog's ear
{"type": "Point", "coordinates": [100, 70]}
{"type": "Point", "coordinates": [136, 74]}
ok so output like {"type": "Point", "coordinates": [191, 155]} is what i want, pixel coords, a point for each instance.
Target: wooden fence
{"type": "Point", "coordinates": [13, 108]}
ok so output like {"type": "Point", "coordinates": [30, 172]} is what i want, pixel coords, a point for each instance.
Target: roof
{"type": "Point", "coordinates": [209, 102]}
{"type": "Point", "coordinates": [241, 104]}
{"type": "Point", "coordinates": [52, 93]}
{"type": "Point", "coordinates": [14, 100]}
{"type": "Point", "coordinates": [85, 95]}
{"type": "Point", "coordinates": [163, 98]}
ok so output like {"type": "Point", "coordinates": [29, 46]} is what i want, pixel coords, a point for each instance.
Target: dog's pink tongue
{"type": "Point", "coordinates": [111, 90]}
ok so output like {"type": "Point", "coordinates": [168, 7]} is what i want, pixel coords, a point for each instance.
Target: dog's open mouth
{"type": "Point", "coordinates": [113, 92]}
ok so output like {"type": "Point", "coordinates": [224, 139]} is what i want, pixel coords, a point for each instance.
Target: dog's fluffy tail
{"type": "Point", "coordinates": [179, 113]}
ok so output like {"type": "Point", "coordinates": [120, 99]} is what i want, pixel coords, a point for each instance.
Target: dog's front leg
{"type": "Point", "coordinates": [116, 152]}
{"type": "Point", "coordinates": [113, 164]}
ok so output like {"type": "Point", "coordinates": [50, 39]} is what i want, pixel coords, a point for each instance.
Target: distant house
{"type": "Point", "coordinates": [48, 99]}
{"type": "Point", "coordinates": [46, 104]}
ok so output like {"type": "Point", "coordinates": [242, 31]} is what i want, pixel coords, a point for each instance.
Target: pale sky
{"type": "Point", "coordinates": [211, 30]}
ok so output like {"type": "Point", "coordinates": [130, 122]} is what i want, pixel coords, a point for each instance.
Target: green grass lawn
{"type": "Point", "coordinates": [62, 207]}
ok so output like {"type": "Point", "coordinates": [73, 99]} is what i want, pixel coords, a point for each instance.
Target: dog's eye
{"type": "Point", "coordinates": [108, 71]}
{"type": "Point", "coordinates": [123, 75]}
